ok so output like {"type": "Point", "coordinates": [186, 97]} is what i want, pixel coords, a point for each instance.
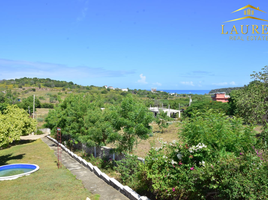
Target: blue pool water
{"type": "Point", "coordinates": [15, 169]}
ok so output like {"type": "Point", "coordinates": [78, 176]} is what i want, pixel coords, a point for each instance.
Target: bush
{"type": "Point", "coordinates": [218, 160]}
{"type": "Point", "coordinates": [40, 119]}
{"type": "Point", "coordinates": [47, 105]}
{"type": "Point", "coordinates": [38, 132]}
{"type": "Point", "coordinates": [218, 131]}
{"type": "Point", "coordinates": [128, 169]}
{"type": "Point", "coordinates": [203, 106]}
{"type": "Point", "coordinates": [42, 98]}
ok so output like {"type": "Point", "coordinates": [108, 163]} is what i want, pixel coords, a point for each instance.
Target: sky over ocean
{"type": "Point", "coordinates": [180, 45]}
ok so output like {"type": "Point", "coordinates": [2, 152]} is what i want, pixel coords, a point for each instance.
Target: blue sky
{"type": "Point", "coordinates": [165, 44]}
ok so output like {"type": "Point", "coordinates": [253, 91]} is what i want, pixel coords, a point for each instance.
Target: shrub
{"type": "Point", "coordinates": [38, 132]}
{"type": "Point", "coordinates": [217, 160]}
{"type": "Point", "coordinates": [129, 168]}
{"type": "Point", "coordinates": [42, 98]}
{"type": "Point", "coordinates": [218, 131]}
{"type": "Point", "coordinates": [40, 119]}
{"type": "Point", "coordinates": [47, 105]}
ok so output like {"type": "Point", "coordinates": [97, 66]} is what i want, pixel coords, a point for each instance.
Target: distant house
{"type": "Point", "coordinates": [124, 90]}
{"type": "Point", "coordinates": [220, 96]}
{"type": "Point", "coordinates": [153, 90]}
{"type": "Point", "coordinates": [105, 86]}
{"type": "Point", "coordinates": [111, 87]}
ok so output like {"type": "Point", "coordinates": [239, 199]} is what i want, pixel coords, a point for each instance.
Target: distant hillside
{"type": "Point", "coordinates": [38, 82]}
{"type": "Point", "coordinates": [226, 90]}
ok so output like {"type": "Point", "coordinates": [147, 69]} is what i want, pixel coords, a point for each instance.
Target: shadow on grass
{"type": "Point", "coordinates": [5, 158]}
{"type": "Point", "coordinates": [15, 143]}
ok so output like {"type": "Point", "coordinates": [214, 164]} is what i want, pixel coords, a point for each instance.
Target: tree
{"type": "Point", "coordinates": [29, 102]}
{"type": "Point", "coordinates": [203, 106]}
{"type": "Point", "coordinates": [133, 118]}
{"type": "Point", "coordinates": [251, 102]}
{"type": "Point", "coordinates": [98, 129]}
{"type": "Point", "coordinates": [161, 119]}
{"type": "Point", "coordinates": [14, 123]}
{"type": "Point", "coordinates": [261, 76]}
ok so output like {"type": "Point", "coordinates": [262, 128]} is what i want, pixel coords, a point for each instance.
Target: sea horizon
{"type": "Point", "coordinates": [186, 91]}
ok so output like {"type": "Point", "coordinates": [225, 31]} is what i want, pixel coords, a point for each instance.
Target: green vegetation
{"type": "Point", "coordinates": [48, 182]}
{"type": "Point", "coordinates": [226, 90]}
{"type": "Point", "coordinates": [251, 102]}
{"type": "Point", "coordinates": [161, 119]}
{"type": "Point", "coordinates": [14, 123]}
{"type": "Point", "coordinates": [214, 155]}
{"type": "Point", "coordinates": [218, 159]}
{"type": "Point", "coordinates": [81, 118]}
{"type": "Point", "coordinates": [203, 106]}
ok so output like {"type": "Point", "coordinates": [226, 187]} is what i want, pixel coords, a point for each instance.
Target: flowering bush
{"type": "Point", "coordinates": [170, 171]}
{"type": "Point", "coordinates": [217, 161]}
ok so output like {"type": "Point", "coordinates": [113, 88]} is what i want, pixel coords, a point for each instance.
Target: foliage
{"type": "Point", "coordinates": [212, 163]}
{"type": "Point", "coordinates": [261, 76]}
{"type": "Point", "coordinates": [28, 102]}
{"type": "Point", "coordinates": [47, 105]}
{"type": "Point", "coordinates": [97, 130]}
{"type": "Point", "coordinates": [203, 106]}
{"type": "Point", "coordinates": [251, 102]}
{"type": "Point", "coordinates": [129, 170]}
{"type": "Point", "coordinates": [14, 123]}
{"type": "Point", "coordinates": [161, 120]}
{"type": "Point", "coordinates": [218, 132]}
{"type": "Point", "coordinates": [81, 117]}
{"type": "Point", "coordinates": [133, 118]}
{"type": "Point", "coordinates": [226, 90]}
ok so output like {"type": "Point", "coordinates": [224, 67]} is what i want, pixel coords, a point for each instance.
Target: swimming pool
{"type": "Point", "coordinates": [13, 171]}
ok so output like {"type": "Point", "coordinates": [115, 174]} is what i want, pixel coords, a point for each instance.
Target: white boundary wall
{"type": "Point", "coordinates": [127, 191]}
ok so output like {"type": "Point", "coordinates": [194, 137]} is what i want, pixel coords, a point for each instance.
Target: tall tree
{"type": "Point", "coordinates": [251, 102]}
{"type": "Point", "coordinates": [133, 118]}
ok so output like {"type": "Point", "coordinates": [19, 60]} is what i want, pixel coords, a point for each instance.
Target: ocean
{"type": "Point", "coordinates": [187, 91]}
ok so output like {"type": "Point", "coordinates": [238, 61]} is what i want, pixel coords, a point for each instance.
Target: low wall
{"type": "Point", "coordinates": [102, 152]}
{"type": "Point", "coordinates": [45, 130]}
{"type": "Point", "coordinates": [127, 191]}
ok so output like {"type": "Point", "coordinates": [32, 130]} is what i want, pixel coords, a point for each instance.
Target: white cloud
{"type": "Point", "coordinates": [232, 83]}
{"type": "Point", "coordinates": [159, 84]}
{"type": "Point", "coordinates": [188, 83]}
{"type": "Point", "coordinates": [143, 79]}
{"type": "Point", "coordinates": [224, 83]}
{"type": "Point", "coordinates": [10, 69]}
{"type": "Point", "coordinates": [83, 12]}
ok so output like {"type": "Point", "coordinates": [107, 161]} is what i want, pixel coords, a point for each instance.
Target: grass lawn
{"type": "Point", "coordinates": [48, 182]}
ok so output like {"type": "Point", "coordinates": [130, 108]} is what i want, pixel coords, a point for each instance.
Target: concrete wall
{"type": "Point", "coordinates": [45, 130]}
{"type": "Point", "coordinates": [127, 191]}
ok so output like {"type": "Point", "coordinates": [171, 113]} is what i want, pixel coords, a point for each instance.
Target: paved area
{"type": "Point", "coordinates": [90, 181]}
{"type": "Point", "coordinates": [33, 137]}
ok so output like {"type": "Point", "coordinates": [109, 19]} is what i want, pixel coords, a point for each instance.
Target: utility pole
{"type": "Point", "coordinates": [190, 101]}
{"type": "Point", "coordinates": [29, 111]}
{"type": "Point", "coordinates": [33, 105]}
